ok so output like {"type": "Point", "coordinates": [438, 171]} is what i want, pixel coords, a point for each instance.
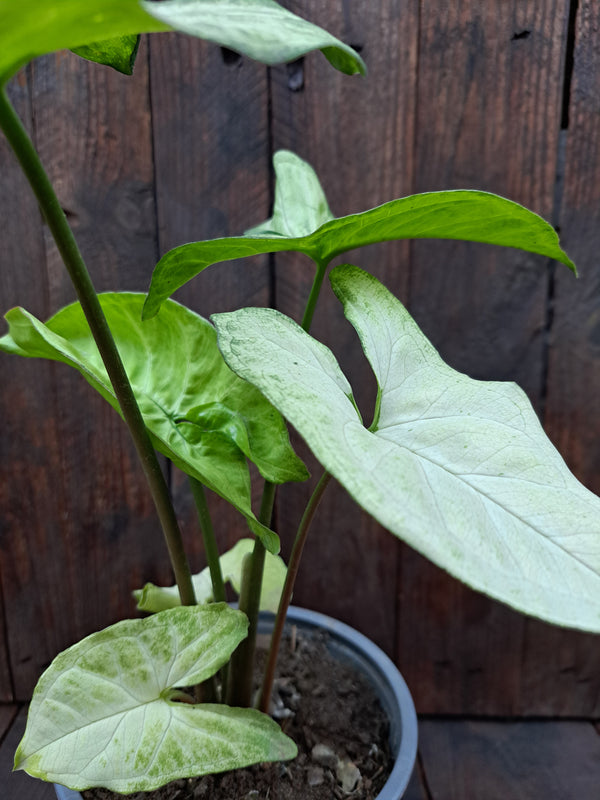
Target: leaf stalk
{"type": "Point", "coordinates": [209, 540]}
{"type": "Point", "coordinates": [288, 588]}
{"type": "Point", "coordinates": [242, 662]}
{"type": "Point", "coordinates": [315, 291]}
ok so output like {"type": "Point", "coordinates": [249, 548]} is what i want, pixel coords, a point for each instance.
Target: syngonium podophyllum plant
{"type": "Point", "coordinates": [459, 469]}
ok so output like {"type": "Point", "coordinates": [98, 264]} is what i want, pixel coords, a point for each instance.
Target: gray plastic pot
{"type": "Point", "coordinates": [348, 645]}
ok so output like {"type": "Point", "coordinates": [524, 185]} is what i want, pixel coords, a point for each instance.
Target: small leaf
{"type": "Point", "coordinates": [260, 29]}
{"type": "Point", "coordinates": [460, 469]}
{"type": "Point", "coordinates": [300, 204]}
{"type": "Point", "coordinates": [303, 223]}
{"type": "Point", "coordinates": [156, 598]}
{"type": "Point", "coordinates": [118, 53]}
{"type": "Point", "coordinates": [199, 413]}
{"type": "Point", "coordinates": [104, 714]}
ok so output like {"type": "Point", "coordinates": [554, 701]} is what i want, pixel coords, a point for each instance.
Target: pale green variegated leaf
{"type": "Point", "coordinates": [118, 53]}
{"type": "Point", "coordinates": [302, 222]}
{"type": "Point", "coordinates": [300, 205]}
{"type": "Point", "coordinates": [156, 598]}
{"type": "Point", "coordinates": [261, 29]}
{"type": "Point", "coordinates": [105, 712]}
{"type": "Point", "coordinates": [460, 469]}
{"type": "Point", "coordinates": [199, 413]}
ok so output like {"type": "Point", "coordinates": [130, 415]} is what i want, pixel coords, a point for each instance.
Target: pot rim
{"type": "Point", "coordinates": [386, 680]}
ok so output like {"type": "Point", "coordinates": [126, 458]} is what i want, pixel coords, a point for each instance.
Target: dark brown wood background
{"type": "Point", "coordinates": [503, 96]}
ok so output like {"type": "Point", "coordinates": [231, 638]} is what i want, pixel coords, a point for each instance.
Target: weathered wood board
{"type": "Point", "coordinates": [457, 95]}
{"type": "Point", "coordinates": [358, 135]}
{"type": "Point", "coordinates": [463, 760]}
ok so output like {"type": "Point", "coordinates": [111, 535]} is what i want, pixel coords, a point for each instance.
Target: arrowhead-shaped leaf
{"type": "Point", "coordinates": [261, 29]}
{"type": "Point", "coordinates": [105, 712]}
{"type": "Point", "coordinates": [199, 413]}
{"type": "Point", "coordinates": [156, 598]}
{"type": "Point", "coordinates": [460, 469]}
{"type": "Point", "coordinates": [302, 222]}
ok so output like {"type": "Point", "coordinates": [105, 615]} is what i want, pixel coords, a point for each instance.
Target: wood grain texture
{"type": "Point", "coordinates": [574, 369]}
{"type": "Point", "coordinates": [24, 245]}
{"type": "Point", "coordinates": [493, 761]}
{"type": "Point", "coordinates": [457, 95]}
{"type": "Point", "coordinates": [489, 107]}
{"type": "Point", "coordinates": [80, 529]}
{"type": "Point", "coordinates": [211, 154]}
{"type": "Point", "coordinates": [22, 445]}
{"type": "Point", "coordinates": [358, 135]}
{"type": "Point", "coordinates": [572, 419]}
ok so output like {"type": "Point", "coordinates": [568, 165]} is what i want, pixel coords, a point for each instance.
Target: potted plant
{"type": "Point", "coordinates": [459, 469]}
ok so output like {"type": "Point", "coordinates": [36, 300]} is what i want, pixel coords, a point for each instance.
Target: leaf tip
{"type": "Point", "coordinates": [150, 308]}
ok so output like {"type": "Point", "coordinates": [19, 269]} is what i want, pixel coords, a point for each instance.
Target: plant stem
{"type": "Point", "coordinates": [208, 538]}
{"type": "Point", "coordinates": [207, 691]}
{"type": "Point", "coordinates": [309, 512]}
{"type": "Point", "coordinates": [242, 663]}
{"type": "Point", "coordinates": [315, 290]}
{"type": "Point", "coordinates": [288, 588]}
{"type": "Point", "coordinates": [63, 236]}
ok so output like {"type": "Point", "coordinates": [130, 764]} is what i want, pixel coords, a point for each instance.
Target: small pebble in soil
{"type": "Point", "coordinates": [348, 775]}
{"type": "Point", "coordinates": [315, 776]}
{"type": "Point", "coordinates": [324, 756]}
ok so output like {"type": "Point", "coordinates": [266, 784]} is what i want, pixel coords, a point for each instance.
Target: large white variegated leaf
{"type": "Point", "coordinates": [105, 712]}
{"type": "Point", "coordinates": [156, 598]}
{"type": "Point", "coordinates": [460, 469]}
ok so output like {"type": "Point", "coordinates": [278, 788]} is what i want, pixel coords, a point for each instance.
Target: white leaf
{"type": "Point", "coordinates": [103, 713]}
{"type": "Point", "coordinates": [460, 469]}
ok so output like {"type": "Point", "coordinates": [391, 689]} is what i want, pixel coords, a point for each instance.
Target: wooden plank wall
{"type": "Point", "coordinates": [458, 95]}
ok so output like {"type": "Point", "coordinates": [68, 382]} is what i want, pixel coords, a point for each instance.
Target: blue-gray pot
{"type": "Point", "coordinates": [350, 646]}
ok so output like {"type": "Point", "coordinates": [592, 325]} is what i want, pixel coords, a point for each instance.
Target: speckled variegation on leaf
{"type": "Point", "coordinates": [103, 713]}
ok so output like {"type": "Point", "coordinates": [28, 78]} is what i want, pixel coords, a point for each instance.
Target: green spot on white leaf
{"type": "Point", "coordinates": [101, 714]}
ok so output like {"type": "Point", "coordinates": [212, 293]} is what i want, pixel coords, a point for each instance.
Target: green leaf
{"type": "Point", "coordinates": [118, 53]}
{"type": "Point", "coordinates": [30, 28]}
{"type": "Point", "coordinates": [105, 712]}
{"type": "Point", "coordinates": [302, 222]}
{"type": "Point", "coordinates": [156, 598]}
{"type": "Point", "coordinates": [199, 413]}
{"type": "Point", "coordinates": [260, 29]}
{"type": "Point", "coordinates": [459, 469]}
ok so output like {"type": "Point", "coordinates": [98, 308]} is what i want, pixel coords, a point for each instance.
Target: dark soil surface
{"type": "Point", "coordinates": [334, 718]}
